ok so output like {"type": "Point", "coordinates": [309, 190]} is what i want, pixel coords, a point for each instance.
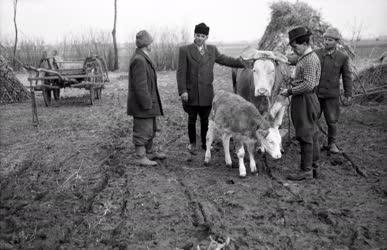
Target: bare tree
{"type": "Point", "coordinates": [14, 22]}
{"type": "Point", "coordinates": [115, 66]}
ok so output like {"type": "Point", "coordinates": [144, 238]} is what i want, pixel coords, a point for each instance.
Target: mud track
{"type": "Point", "coordinates": [72, 184]}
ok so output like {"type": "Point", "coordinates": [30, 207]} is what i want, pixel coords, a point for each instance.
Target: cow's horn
{"type": "Point", "coordinates": [280, 57]}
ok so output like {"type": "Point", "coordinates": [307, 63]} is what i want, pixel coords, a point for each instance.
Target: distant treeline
{"type": "Point", "coordinates": [78, 47]}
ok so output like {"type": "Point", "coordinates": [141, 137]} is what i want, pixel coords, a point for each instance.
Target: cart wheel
{"type": "Point", "coordinates": [47, 96]}
{"type": "Point", "coordinates": [56, 94]}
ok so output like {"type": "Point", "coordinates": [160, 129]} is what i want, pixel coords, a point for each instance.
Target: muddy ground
{"type": "Point", "coordinates": [70, 183]}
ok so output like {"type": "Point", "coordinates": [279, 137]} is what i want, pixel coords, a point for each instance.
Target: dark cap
{"type": "Point", "coordinates": [202, 28]}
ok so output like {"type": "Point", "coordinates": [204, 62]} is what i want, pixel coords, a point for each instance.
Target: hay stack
{"type": "Point", "coordinates": [284, 17]}
{"type": "Point", "coordinates": [373, 76]}
{"type": "Point", "coordinates": [11, 89]}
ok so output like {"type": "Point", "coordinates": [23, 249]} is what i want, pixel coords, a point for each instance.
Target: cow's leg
{"type": "Point", "coordinates": [209, 139]}
{"type": "Point", "coordinates": [226, 147]}
{"type": "Point", "coordinates": [250, 149]}
{"type": "Point", "coordinates": [241, 156]}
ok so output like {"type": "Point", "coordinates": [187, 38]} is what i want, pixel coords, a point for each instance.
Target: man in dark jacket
{"type": "Point", "coordinates": [333, 65]}
{"type": "Point", "coordinates": [144, 102]}
{"type": "Point", "coordinates": [304, 103]}
{"type": "Point", "coordinates": [195, 74]}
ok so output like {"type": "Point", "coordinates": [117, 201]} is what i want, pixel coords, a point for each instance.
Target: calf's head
{"type": "Point", "coordinates": [269, 134]}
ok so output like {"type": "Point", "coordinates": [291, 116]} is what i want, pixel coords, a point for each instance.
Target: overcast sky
{"type": "Point", "coordinates": [229, 20]}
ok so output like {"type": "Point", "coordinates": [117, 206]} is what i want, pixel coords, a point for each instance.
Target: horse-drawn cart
{"type": "Point", "coordinates": [54, 75]}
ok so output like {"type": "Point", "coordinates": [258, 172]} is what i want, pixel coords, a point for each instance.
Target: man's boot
{"type": "Point", "coordinates": [192, 149]}
{"type": "Point", "coordinates": [333, 148]}
{"type": "Point", "coordinates": [153, 154]}
{"type": "Point", "coordinates": [156, 155]}
{"type": "Point", "coordinates": [315, 167]}
{"type": "Point", "coordinates": [301, 175]}
{"type": "Point", "coordinates": [141, 159]}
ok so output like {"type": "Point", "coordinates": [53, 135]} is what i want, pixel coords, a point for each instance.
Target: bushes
{"type": "Point", "coordinates": [164, 49]}
{"type": "Point", "coordinates": [78, 47]}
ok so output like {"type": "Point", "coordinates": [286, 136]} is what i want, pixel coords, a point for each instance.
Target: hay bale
{"type": "Point", "coordinates": [286, 16]}
{"type": "Point", "coordinates": [372, 76]}
{"type": "Point", "coordinates": [11, 89]}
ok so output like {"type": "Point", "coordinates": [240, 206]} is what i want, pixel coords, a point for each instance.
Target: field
{"type": "Point", "coordinates": [70, 183]}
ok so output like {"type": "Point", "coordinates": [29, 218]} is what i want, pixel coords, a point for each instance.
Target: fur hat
{"type": "Point", "coordinates": [202, 28]}
{"type": "Point", "coordinates": [298, 32]}
{"type": "Point", "coordinates": [333, 33]}
{"type": "Point", "coordinates": [143, 39]}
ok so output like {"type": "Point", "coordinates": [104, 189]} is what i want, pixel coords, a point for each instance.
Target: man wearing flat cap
{"type": "Point", "coordinates": [304, 103]}
{"type": "Point", "coordinates": [334, 64]}
{"type": "Point", "coordinates": [144, 102]}
{"type": "Point", "coordinates": [194, 81]}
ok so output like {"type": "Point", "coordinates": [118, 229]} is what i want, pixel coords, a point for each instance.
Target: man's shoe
{"type": "Point", "coordinates": [300, 176]}
{"type": "Point", "coordinates": [192, 149]}
{"type": "Point", "coordinates": [333, 148]}
{"type": "Point", "coordinates": [144, 161]}
{"type": "Point", "coordinates": [157, 156]}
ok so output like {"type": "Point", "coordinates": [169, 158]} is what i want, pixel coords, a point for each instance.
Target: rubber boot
{"type": "Point", "coordinates": [153, 154]}
{"type": "Point", "coordinates": [141, 158]}
{"type": "Point", "coordinates": [301, 175]}
{"type": "Point", "coordinates": [333, 148]}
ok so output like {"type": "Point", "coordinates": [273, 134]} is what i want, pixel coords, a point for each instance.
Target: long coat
{"type": "Point", "coordinates": [195, 72]}
{"type": "Point", "coordinates": [143, 94]}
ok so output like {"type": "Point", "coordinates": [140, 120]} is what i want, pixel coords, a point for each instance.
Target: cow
{"type": "Point", "coordinates": [234, 117]}
{"type": "Point", "coordinates": [261, 82]}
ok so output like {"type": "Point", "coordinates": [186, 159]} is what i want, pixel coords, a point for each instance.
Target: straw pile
{"type": "Point", "coordinates": [11, 89]}
{"type": "Point", "coordinates": [286, 16]}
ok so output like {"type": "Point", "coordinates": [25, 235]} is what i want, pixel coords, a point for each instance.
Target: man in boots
{"type": "Point", "coordinates": [144, 102]}
{"type": "Point", "coordinates": [195, 74]}
{"type": "Point", "coordinates": [333, 65]}
{"type": "Point", "coordinates": [304, 103]}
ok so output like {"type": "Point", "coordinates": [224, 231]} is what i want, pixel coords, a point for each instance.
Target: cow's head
{"type": "Point", "coordinates": [269, 133]}
{"type": "Point", "coordinates": [263, 69]}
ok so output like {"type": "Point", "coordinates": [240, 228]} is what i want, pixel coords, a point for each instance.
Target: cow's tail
{"type": "Point", "coordinates": [234, 72]}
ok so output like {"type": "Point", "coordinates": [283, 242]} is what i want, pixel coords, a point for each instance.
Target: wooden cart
{"type": "Point", "coordinates": [53, 76]}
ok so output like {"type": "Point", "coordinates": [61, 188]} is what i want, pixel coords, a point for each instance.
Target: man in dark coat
{"type": "Point", "coordinates": [334, 64]}
{"type": "Point", "coordinates": [304, 103]}
{"type": "Point", "coordinates": [144, 102]}
{"type": "Point", "coordinates": [195, 74]}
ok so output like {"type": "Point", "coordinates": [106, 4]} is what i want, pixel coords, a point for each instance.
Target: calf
{"type": "Point", "coordinates": [233, 116]}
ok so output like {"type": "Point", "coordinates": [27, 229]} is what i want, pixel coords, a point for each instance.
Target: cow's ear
{"type": "Point", "coordinates": [262, 133]}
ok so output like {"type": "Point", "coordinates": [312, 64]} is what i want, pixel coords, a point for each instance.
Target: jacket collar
{"type": "Point", "coordinates": [194, 51]}
{"type": "Point", "coordinates": [141, 52]}
{"type": "Point", "coordinates": [306, 53]}
{"type": "Point", "coordinates": [330, 52]}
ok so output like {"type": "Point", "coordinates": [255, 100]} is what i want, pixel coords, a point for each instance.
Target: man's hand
{"type": "Point", "coordinates": [184, 97]}
{"type": "Point", "coordinates": [347, 101]}
{"type": "Point", "coordinates": [247, 64]}
{"type": "Point", "coordinates": [285, 92]}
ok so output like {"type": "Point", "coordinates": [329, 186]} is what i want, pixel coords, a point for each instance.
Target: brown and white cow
{"type": "Point", "coordinates": [260, 84]}
{"type": "Point", "coordinates": [233, 116]}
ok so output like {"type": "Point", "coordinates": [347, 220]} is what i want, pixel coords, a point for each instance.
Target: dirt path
{"type": "Point", "coordinates": [71, 184]}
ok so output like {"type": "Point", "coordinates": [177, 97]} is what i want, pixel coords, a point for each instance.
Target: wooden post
{"type": "Point", "coordinates": [91, 95]}
{"type": "Point", "coordinates": [35, 120]}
